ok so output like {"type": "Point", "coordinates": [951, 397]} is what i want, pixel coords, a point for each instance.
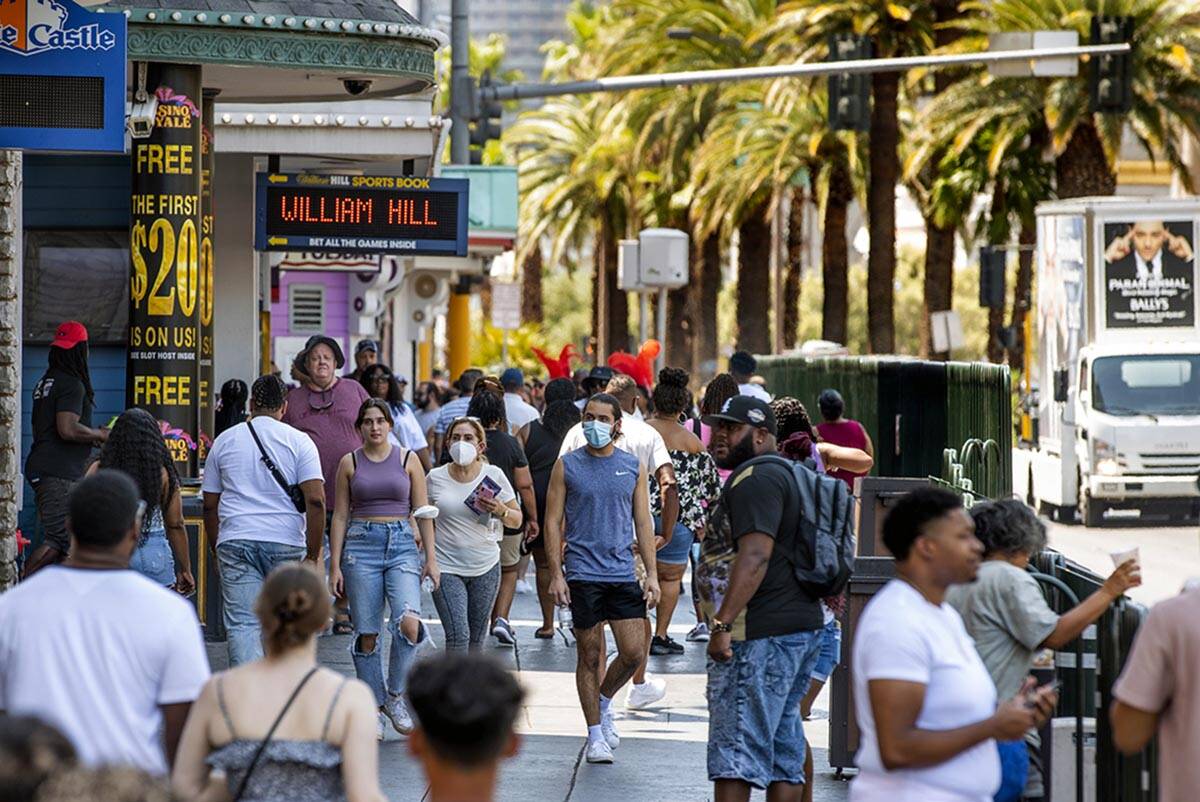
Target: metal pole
{"type": "Point", "coordinates": [667, 80]}
{"type": "Point", "coordinates": [460, 81]}
{"type": "Point", "coordinates": [643, 316]}
{"type": "Point", "coordinates": [662, 328]}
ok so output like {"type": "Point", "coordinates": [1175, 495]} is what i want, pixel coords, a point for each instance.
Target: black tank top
{"type": "Point", "coordinates": [541, 449]}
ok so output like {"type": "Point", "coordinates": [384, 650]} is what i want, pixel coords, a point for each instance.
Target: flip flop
{"type": "Point", "coordinates": [544, 634]}
{"type": "Point", "coordinates": [343, 626]}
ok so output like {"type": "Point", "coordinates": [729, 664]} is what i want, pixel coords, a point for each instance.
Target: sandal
{"type": "Point", "coordinates": [342, 625]}
{"type": "Point", "coordinates": [544, 634]}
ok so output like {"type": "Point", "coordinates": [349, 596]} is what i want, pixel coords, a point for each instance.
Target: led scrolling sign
{"type": "Point", "coordinates": [361, 213]}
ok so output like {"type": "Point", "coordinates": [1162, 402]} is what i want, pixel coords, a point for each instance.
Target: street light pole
{"type": "Point", "coordinates": [460, 82]}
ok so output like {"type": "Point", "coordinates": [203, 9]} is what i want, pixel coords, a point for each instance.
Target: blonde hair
{"type": "Point", "coordinates": [479, 433]}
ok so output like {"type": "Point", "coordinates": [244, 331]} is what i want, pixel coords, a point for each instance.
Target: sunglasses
{"type": "Point", "coordinates": [325, 402]}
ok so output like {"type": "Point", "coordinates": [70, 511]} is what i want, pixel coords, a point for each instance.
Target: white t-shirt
{"type": "Point", "coordinates": [754, 391]}
{"type": "Point", "coordinates": [94, 653]}
{"type": "Point", "coordinates": [901, 636]}
{"type": "Point", "coordinates": [407, 431]}
{"type": "Point", "coordinates": [640, 439]}
{"type": "Point", "coordinates": [253, 505]}
{"type": "Point", "coordinates": [518, 412]}
{"type": "Point", "coordinates": [463, 542]}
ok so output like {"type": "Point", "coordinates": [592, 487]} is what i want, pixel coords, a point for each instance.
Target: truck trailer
{"type": "Point", "coordinates": [1112, 400]}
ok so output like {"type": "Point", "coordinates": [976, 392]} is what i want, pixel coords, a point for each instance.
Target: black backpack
{"type": "Point", "coordinates": [823, 558]}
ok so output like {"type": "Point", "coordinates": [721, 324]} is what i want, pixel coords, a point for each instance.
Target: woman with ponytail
{"type": "Point", "coordinates": [282, 729]}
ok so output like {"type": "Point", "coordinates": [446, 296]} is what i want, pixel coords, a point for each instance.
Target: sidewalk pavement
{"type": "Point", "coordinates": [662, 753]}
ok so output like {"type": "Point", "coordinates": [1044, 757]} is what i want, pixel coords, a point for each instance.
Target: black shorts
{"type": "Point", "coordinates": [50, 494]}
{"type": "Point", "coordinates": [594, 603]}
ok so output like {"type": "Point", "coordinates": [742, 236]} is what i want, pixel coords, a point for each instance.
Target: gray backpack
{"type": "Point", "coordinates": [825, 546]}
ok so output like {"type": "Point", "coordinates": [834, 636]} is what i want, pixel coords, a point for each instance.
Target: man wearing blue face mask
{"type": "Point", "coordinates": [597, 497]}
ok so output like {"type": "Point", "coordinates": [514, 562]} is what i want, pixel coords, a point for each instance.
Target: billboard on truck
{"type": "Point", "coordinates": [1149, 273]}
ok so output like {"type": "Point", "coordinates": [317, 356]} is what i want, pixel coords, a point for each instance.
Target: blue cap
{"type": "Point", "coordinates": [513, 377]}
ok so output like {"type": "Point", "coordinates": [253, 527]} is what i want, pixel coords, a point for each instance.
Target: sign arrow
{"type": "Point", "coordinates": [277, 179]}
{"type": "Point", "coordinates": [277, 241]}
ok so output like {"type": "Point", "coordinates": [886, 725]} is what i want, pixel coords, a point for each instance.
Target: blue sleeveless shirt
{"type": "Point", "coordinates": [599, 516]}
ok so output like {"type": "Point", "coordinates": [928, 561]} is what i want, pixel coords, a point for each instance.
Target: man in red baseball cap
{"type": "Point", "coordinates": [63, 438]}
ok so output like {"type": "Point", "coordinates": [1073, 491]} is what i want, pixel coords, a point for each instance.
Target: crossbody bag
{"type": "Point", "coordinates": [294, 492]}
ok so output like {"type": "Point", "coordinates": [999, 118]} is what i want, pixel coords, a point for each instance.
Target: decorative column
{"type": "Point", "coordinates": [207, 165]}
{"type": "Point", "coordinates": [163, 370]}
{"type": "Point", "coordinates": [10, 362]}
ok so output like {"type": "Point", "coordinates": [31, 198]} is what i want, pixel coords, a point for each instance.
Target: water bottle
{"type": "Point", "coordinates": [565, 622]}
{"type": "Point", "coordinates": [496, 528]}
{"type": "Point", "coordinates": [427, 584]}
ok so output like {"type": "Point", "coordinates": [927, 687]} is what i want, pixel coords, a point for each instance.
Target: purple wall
{"type": "Point", "coordinates": [337, 309]}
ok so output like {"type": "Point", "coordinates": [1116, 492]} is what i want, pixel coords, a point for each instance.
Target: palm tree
{"type": "Point", "coordinates": [1085, 146]}
{"type": "Point", "coordinates": [897, 28]}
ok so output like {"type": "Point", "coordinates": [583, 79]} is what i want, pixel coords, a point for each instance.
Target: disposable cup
{"type": "Point", "coordinates": [1124, 555]}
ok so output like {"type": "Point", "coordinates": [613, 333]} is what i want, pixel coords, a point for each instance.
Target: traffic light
{"type": "Point", "coordinates": [993, 269]}
{"type": "Point", "coordinates": [850, 93]}
{"type": "Point", "coordinates": [485, 118]}
{"type": "Point", "coordinates": [1109, 79]}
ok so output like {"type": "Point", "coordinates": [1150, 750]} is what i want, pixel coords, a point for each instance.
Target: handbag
{"type": "Point", "coordinates": [271, 732]}
{"type": "Point", "coordinates": [1014, 770]}
{"type": "Point", "coordinates": [293, 491]}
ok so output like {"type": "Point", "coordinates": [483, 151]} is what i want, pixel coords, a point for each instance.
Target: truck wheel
{"type": "Point", "coordinates": [1091, 511]}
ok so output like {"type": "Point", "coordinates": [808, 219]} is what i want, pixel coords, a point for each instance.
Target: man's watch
{"type": "Point", "coordinates": [719, 626]}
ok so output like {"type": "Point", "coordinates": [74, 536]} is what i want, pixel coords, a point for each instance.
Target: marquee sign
{"type": "Point", "coordinates": [361, 213]}
{"type": "Point", "coordinates": [62, 77]}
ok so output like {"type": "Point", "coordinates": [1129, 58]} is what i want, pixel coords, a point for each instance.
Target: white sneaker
{"type": "Point", "coordinates": [609, 728]}
{"type": "Point", "coordinates": [644, 695]}
{"type": "Point", "coordinates": [524, 587]}
{"type": "Point", "coordinates": [380, 731]}
{"type": "Point", "coordinates": [396, 711]}
{"type": "Point", "coordinates": [504, 632]}
{"type": "Point", "coordinates": [599, 752]}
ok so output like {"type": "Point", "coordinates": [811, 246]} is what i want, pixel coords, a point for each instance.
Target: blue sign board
{"type": "Point", "coordinates": [361, 214]}
{"type": "Point", "coordinates": [62, 77]}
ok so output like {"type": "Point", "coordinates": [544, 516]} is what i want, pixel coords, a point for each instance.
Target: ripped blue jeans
{"type": "Point", "coordinates": [381, 564]}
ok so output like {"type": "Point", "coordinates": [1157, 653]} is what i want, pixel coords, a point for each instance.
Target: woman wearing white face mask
{"type": "Point", "coordinates": [475, 502]}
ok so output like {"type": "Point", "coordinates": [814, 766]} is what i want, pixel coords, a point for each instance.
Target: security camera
{"type": "Point", "coordinates": [141, 117]}
{"type": "Point", "coordinates": [356, 86]}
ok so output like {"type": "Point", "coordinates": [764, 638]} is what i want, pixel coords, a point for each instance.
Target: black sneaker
{"type": "Point", "coordinates": [664, 646]}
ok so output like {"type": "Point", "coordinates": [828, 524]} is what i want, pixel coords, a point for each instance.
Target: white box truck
{"type": "Point", "coordinates": [1114, 419]}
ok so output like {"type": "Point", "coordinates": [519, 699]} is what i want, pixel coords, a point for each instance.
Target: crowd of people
{"type": "Point", "coordinates": [334, 505]}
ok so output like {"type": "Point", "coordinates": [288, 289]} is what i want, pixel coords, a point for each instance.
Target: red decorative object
{"type": "Point", "coordinates": [559, 368]}
{"type": "Point", "coordinates": [639, 367]}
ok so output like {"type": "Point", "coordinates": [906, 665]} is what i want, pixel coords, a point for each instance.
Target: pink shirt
{"type": "Point", "coordinates": [1161, 677]}
{"type": "Point", "coordinates": [847, 433]}
{"type": "Point", "coordinates": [328, 418]}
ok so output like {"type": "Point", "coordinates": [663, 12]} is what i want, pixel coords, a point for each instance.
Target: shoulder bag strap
{"type": "Point", "coordinates": [270, 733]}
{"type": "Point", "coordinates": [270, 463]}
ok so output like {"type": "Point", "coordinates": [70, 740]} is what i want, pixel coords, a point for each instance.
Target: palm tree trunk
{"type": "Point", "coordinates": [679, 328]}
{"type": "Point", "coordinates": [754, 282]}
{"type": "Point", "coordinates": [616, 302]}
{"type": "Point", "coordinates": [598, 326]}
{"type": "Point", "coordinates": [795, 265]}
{"type": "Point", "coordinates": [835, 252]}
{"type": "Point", "coordinates": [1022, 292]}
{"type": "Point", "coordinates": [1083, 169]}
{"type": "Point", "coordinates": [884, 165]}
{"type": "Point", "coordinates": [704, 291]}
{"type": "Point", "coordinates": [531, 286]}
{"type": "Point", "coordinates": [939, 280]}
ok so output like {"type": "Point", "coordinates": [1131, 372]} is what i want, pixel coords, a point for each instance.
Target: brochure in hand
{"type": "Point", "coordinates": [486, 489]}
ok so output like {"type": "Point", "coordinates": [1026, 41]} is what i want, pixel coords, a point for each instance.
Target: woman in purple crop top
{"type": "Point", "coordinates": [374, 557]}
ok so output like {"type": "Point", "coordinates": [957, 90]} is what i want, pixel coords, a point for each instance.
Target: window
{"type": "Point", "coordinates": [76, 275]}
{"type": "Point", "coordinates": [306, 308]}
{"type": "Point", "coordinates": [1163, 384]}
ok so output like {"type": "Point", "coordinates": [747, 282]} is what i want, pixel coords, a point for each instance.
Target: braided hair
{"type": "Point", "coordinates": [232, 409]}
{"type": "Point", "coordinates": [268, 393]}
{"type": "Point", "coordinates": [74, 362]}
{"type": "Point", "coordinates": [796, 435]}
{"type": "Point", "coordinates": [722, 388]}
{"type": "Point", "coordinates": [135, 446]}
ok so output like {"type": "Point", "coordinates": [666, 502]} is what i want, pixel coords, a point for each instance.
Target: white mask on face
{"type": "Point", "coordinates": [463, 453]}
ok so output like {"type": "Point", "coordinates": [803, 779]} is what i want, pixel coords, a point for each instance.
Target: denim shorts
{"type": "Point", "coordinates": [831, 651]}
{"type": "Point", "coordinates": [676, 551]}
{"type": "Point", "coordinates": [152, 558]}
{"type": "Point", "coordinates": [754, 727]}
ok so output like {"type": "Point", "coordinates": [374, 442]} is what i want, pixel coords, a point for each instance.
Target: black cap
{"type": "Point", "coordinates": [745, 409]}
{"type": "Point", "coordinates": [339, 359]}
{"type": "Point", "coordinates": [600, 373]}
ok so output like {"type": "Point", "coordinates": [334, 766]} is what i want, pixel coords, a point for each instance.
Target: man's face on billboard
{"type": "Point", "coordinates": [1149, 236]}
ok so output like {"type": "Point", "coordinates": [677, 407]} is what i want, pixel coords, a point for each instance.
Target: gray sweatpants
{"type": "Point", "coordinates": [464, 603]}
